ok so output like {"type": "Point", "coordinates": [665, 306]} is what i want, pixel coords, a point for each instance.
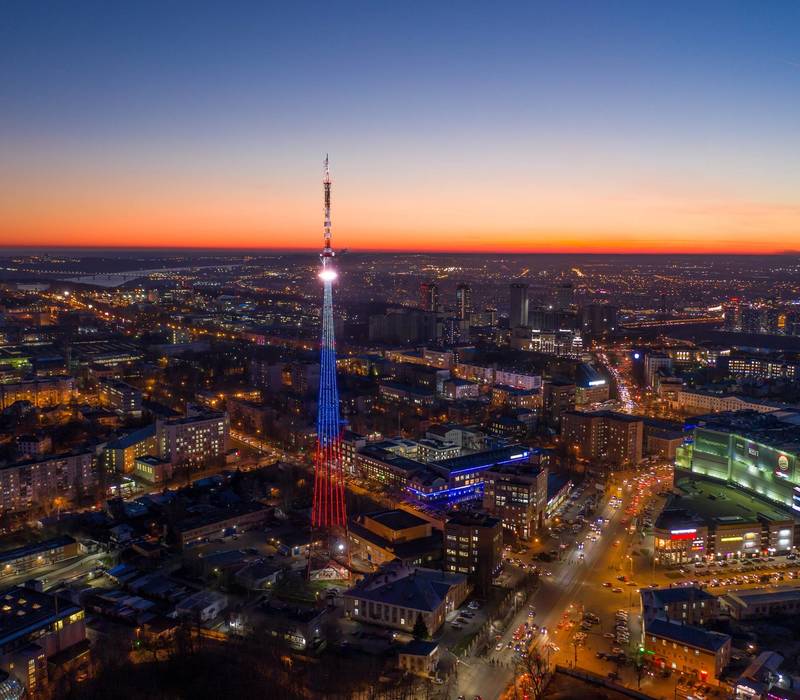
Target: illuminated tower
{"type": "Point", "coordinates": [329, 511]}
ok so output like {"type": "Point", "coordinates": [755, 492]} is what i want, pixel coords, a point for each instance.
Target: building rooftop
{"type": "Point", "coordinates": [661, 597]}
{"type": "Point", "coordinates": [482, 460]}
{"type": "Point", "coordinates": [408, 389]}
{"type": "Point", "coordinates": [35, 548]}
{"type": "Point", "coordinates": [396, 519]}
{"type": "Point", "coordinates": [710, 503]}
{"type": "Point", "coordinates": [767, 428]}
{"type": "Point", "coordinates": [416, 589]}
{"type": "Point", "coordinates": [24, 611]}
{"type": "Point", "coordinates": [689, 635]}
{"type": "Point", "coordinates": [749, 597]}
{"type": "Point", "coordinates": [396, 461]}
{"type": "Point", "coordinates": [408, 550]}
{"type": "Point", "coordinates": [188, 420]}
{"type": "Point", "coordinates": [419, 647]}
{"type": "Point", "coordinates": [130, 439]}
{"type": "Point", "coordinates": [473, 520]}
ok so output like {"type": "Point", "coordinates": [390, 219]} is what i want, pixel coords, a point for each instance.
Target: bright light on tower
{"type": "Point", "coordinates": [328, 275]}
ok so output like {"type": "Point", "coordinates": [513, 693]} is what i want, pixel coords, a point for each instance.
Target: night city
{"type": "Point", "coordinates": [422, 351]}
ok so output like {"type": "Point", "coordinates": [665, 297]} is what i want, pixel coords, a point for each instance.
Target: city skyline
{"type": "Point", "coordinates": [532, 129]}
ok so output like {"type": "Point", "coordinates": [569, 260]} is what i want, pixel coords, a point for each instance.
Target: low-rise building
{"type": "Point", "coordinates": [34, 446]}
{"type": "Point", "coordinates": [121, 397]}
{"type": "Point", "coordinates": [419, 657]}
{"type": "Point", "coordinates": [216, 523]}
{"type": "Point", "coordinates": [37, 632]}
{"type": "Point", "coordinates": [33, 556]}
{"type": "Point", "coordinates": [688, 605]}
{"type": "Point", "coordinates": [686, 649]}
{"type": "Point", "coordinates": [696, 401]}
{"type": "Point", "coordinates": [757, 452]}
{"type": "Point", "coordinates": [396, 596]}
{"type": "Point", "coordinates": [760, 603]}
{"type": "Point", "coordinates": [395, 392]}
{"type": "Point", "coordinates": [152, 470]}
{"type": "Point", "coordinates": [202, 606]}
{"type": "Point", "coordinates": [40, 392]}
{"type": "Point", "coordinates": [662, 439]}
{"type": "Point", "coordinates": [455, 389]}
{"type": "Point", "coordinates": [119, 455]}
{"type": "Point", "coordinates": [383, 536]}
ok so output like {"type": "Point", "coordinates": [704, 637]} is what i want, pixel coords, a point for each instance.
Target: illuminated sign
{"type": "Point", "coordinates": [597, 382]}
{"type": "Point", "coordinates": [783, 467]}
{"type": "Point", "coordinates": [682, 534]}
{"type": "Point", "coordinates": [731, 539]}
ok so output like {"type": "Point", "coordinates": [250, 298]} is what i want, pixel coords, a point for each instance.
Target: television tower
{"type": "Point", "coordinates": [329, 512]}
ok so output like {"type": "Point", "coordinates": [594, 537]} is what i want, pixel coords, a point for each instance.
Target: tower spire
{"type": "Point", "coordinates": [327, 251]}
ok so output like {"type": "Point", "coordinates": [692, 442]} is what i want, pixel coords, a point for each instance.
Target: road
{"type": "Point", "coordinates": [575, 584]}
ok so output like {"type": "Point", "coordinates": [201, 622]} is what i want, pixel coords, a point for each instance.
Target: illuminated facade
{"type": "Point", "coordinates": [708, 521]}
{"type": "Point", "coordinates": [40, 392]}
{"type": "Point", "coordinates": [755, 452]}
{"type": "Point", "coordinates": [194, 439]}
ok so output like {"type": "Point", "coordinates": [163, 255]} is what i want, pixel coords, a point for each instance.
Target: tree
{"type": "Point", "coordinates": [420, 630]}
{"type": "Point", "coordinates": [535, 675]}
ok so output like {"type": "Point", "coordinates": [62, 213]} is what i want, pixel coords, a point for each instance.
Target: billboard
{"type": "Point", "coordinates": [767, 460]}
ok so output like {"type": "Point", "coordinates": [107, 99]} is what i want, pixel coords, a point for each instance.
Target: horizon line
{"type": "Point", "coordinates": [394, 251]}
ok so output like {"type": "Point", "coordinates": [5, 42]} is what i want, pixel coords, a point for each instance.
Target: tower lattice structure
{"type": "Point", "coordinates": [329, 511]}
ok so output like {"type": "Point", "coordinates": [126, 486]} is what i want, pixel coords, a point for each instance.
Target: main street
{"type": "Point", "coordinates": [572, 581]}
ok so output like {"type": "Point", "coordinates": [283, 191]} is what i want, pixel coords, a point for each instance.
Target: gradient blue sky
{"type": "Point", "coordinates": [524, 126]}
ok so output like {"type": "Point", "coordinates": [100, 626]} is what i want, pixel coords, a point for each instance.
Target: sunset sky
{"type": "Point", "coordinates": [536, 126]}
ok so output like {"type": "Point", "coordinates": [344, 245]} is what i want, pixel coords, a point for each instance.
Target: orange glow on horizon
{"type": "Point", "coordinates": [509, 218]}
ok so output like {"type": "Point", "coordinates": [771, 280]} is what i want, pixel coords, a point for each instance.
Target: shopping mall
{"type": "Point", "coordinates": [756, 452]}
{"type": "Point", "coordinates": [706, 520]}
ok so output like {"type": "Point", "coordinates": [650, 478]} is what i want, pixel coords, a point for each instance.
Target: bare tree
{"type": "Point", "coordinates": [534, 678]}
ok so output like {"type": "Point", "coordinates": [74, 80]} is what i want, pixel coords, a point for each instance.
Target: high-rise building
{"type": "Point", "coordinates": [37, 482]}
{"type": "Point", "coordinates": [564, 295]}
{"type": "Point", "coordinates": [473, 545]}
{"type": "Point", "coordinates": [517, 494]}
{"type": "Point", "coordinates": [752, 319]}
{"type": "Point", "coordinates": [558, 397]}
{"type": "Point", "coordinates": [615, 437]}
{"type": "Point", "coordinates": [194, 439]}
{"type": "Point", "coordinates": [599, 319]}
{"type": "Point", "coordinates": [429, 296]}
{"type": "Point", "coordinates": [656, 363]}
{"type": "Point", "coordinates": [518, 315]}
{"type": "Point", "coordinates": [405, 327]}
{"type": "Point", "coordinates": [463, 301]}
{"type": "Point", "coordinates": [731, 316]}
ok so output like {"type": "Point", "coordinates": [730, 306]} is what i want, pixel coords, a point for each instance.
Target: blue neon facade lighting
{"type": "Point", "coordinates": [492, 463]}
{"type": "Point", "coordinates": [448, 493]}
